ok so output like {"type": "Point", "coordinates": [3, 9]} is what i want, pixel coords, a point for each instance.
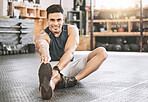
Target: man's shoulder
{"type": "Point", "coordinates": [72, 27]}
{"type": "Point", "coordinates": [43, 33]}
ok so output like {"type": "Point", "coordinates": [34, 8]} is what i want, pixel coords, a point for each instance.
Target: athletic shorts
{"type": "Point", "coordinates": [74, 67]}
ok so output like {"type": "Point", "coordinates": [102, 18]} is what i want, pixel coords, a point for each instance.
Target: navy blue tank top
{"type": "Point", "coordinates": [57, 44]}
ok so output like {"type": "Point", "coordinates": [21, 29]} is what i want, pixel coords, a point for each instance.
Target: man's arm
{"type": "Point", "coordinates": [70, 47]}
{"type": "Point", "coordinates": [42, 41]}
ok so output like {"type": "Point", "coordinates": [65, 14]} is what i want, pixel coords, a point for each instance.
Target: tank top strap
{"type": "Point", "coordinates": [47, 30]}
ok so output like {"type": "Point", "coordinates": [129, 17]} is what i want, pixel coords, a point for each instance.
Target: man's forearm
{"type": "Point", "coordinates": [65, 59]}
{"type": "Point", "coordinates": [42, 47]}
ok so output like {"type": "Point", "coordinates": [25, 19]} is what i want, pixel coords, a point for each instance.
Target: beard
{"type": "Point", "coordinates": [56, 32]}
{"type": "Point", "coordinates": [55, 29]}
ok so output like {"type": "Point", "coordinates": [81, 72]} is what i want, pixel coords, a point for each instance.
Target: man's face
{"type": "Point", "coordinates": [55, 22]}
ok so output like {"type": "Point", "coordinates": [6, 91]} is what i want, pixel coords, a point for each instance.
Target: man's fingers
{"type": "Point", "coordinates": [54, 74]}
{"type": "Point", "coordinates": [49, 58]}
{"type": "Point", "coordinates": [44, 59]}
{"type": "Point", "coordinates": [41, 59]}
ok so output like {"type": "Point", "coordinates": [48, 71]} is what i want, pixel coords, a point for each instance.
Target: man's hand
{"type": "Point", "coordinates": [54, 73]}
{"type": "Point", "coordinates": [56, 76]}
{"type": "Point", "coordinates": [45, 59]}
{"type": "Point", "coordinates": [44, 56]}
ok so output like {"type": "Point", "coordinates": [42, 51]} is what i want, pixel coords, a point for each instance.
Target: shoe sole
{"type": "Point", "coordinates": [45, 73]}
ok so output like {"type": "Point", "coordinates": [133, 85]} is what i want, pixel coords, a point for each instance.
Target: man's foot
{"type": "Point", "coordinates": [66, 82]}
{"type": "Point", "coordinates": [45, 73]}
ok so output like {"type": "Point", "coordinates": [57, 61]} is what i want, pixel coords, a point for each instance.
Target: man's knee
{"type": "Point", "coordinates": [102, 51]}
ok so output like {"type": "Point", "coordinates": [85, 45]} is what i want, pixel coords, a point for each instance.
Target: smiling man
{"type": "Point", "coordinates": [56, 45]}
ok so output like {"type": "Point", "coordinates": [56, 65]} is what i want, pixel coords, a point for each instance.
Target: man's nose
{"type": "Point", "coordinates": [56, 23]}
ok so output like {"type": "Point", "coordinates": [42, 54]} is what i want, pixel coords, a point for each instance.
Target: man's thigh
{"type": "Point", "coordinates": [75, 67]}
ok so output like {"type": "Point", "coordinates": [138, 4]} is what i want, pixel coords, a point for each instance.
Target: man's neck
{"type": "Point", "coordinates": [57, 34]}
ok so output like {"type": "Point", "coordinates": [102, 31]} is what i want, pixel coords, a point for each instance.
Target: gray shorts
{"type": "Point", "coordinates": [74, 67]}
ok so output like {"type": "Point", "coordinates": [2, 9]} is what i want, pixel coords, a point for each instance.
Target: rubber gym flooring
{"type": "Point", "coordinates": [123, 77]}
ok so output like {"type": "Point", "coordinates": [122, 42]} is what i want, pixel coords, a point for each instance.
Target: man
{"type": "Point", "coordinates": [57, 44]}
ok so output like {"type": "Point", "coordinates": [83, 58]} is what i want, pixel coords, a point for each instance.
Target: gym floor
{"type": "Point", "coordinates": [123, 77]}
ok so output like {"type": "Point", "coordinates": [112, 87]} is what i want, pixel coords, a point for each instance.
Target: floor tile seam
{"type": "Point", "coordinates": [125, 89]}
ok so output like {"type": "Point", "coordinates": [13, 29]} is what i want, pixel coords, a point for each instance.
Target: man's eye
{"type": "Point", "coordinates": [52, 20]}
{"type": "Point", "coordinates": [59, 19]}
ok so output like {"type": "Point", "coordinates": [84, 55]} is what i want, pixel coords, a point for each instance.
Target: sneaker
{"type": "Point", "coordinates": [66, 82]}
{"type": "Point", "coordinates": [45, 73]}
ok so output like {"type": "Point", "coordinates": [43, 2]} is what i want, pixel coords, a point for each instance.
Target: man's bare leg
{"type": "Point", "coordinates": [95, 59]}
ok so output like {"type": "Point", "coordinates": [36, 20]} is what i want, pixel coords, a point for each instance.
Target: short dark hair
{"type": "Point", "coordinates": [54, 8]}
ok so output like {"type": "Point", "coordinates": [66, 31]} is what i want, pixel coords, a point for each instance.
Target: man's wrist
{"type": "Point", "coordinates": [43, 49]}
{"type": "Point", "coordinates": [56, 68]}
